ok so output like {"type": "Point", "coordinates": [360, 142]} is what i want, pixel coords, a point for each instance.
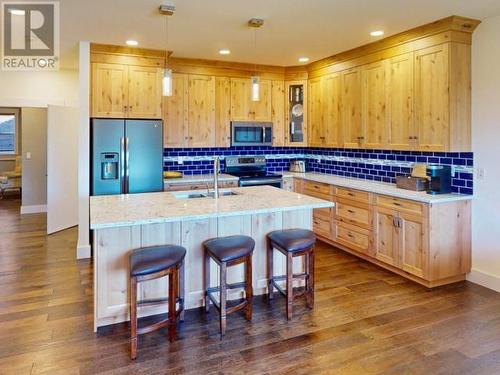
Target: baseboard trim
{"type": "Point", "coordinates": [83, 251]}
{"type": "Point", "coordinates": [36, 209]}
{"type": "Point", "coordinates": [483, 278]}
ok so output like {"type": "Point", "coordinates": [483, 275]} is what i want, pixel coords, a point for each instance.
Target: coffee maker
{"type": "Point", "coordinates": [439, 179]}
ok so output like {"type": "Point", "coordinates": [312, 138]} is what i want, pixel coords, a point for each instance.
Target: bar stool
{"type": "Point", "coordinates": [151, 263]}
{"type": "Point", "coordinates": [292, 243]}
{"type": "Point", "coordinates": [227, 252]}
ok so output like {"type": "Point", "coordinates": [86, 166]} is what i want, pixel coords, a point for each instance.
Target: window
{"type": "Point", "coordinates": [9, 125]}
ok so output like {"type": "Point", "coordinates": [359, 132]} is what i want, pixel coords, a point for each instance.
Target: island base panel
{"type": "Point", "coordinates": [112, 247]}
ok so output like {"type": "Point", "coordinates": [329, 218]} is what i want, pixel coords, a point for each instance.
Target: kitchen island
{"type": "Point", "coordinates": [121, 223]}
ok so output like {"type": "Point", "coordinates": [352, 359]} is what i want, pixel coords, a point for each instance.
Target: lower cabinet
{"type": "Point", "coordinates": [427, 243]}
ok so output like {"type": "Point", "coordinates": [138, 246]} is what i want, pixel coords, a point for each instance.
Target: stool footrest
{"type": "Point", "coordinates": [215, 289]}
{"type": "Point", "coordinates": [153, 327]}
{"type": "Point", "coordinates": [156, 301]}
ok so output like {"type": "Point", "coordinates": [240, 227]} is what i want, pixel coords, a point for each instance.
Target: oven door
{"type": "Point", "coordinates": [276, 182]}
{"type": "Point", "coordinates": [251, 134]}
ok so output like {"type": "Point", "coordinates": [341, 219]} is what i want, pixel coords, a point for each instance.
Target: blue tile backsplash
{"type": "Point", "coordinates": [375, 165]}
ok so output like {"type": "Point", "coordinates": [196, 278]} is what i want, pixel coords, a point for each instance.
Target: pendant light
{"type": "Point", "coordinates": [255, 80]}
{"type": "Point", "coordinates": [166, 83]}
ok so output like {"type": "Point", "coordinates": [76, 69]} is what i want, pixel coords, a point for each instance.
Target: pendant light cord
{"type": "Point", "coordinates": [166, 41]}
{"type": "Point", "coordinates": [255, 47]}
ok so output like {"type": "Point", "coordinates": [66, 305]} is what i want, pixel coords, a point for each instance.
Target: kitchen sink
{"type": "Point", "coordinates": [190, 195]}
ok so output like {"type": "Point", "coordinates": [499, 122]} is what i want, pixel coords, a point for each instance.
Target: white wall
{"type": "Point", "coordinates": [34, 175]}
{"type": "Point", "coordinates": [485, 141]}
{"type": "Point", "coordinates": [38, 89]}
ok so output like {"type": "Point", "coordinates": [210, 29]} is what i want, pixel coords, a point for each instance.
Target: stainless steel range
{"type": "Point", "coordinates": [252, 171]}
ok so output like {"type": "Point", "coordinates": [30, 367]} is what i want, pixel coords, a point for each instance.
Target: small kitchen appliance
{"type": "Point", "coordinates": [251, 133]}
{"type": "Point", "coordinates": [298, 166]}
{"type": "Point", "coordinates": [439, 179]}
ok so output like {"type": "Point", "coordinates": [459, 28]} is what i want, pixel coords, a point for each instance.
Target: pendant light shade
{"type": "Point", "coordinates": [167, 82]}
{"type": "Point", "coordinates": [255, 87]}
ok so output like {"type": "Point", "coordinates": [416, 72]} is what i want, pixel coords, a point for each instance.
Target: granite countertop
{"type": "Point", "coordinates": [378, 187]}
{"type": "Point", "coordinates": [199, 178]}
{"type": "Point", "coordinates": [108, 211]}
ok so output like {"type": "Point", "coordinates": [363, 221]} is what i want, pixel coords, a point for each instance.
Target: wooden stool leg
{"type": "Point", "coordinates": [222, 294]}
{"type": "Point", "coordinates": [182, 292]}
{"type": "Point", "coordinates": [289, 285]}
{"type": "Point", "coordinates": [248, 287]}
{"type": "Point", "coordinates": [207, 281]}
{"type": "Point", "coordinates": [270, 270]}
{"type": "Point", "coordinates": [133, 318]}
{"type": "Point", "coordinates": [306, 271]}
{"type": "Point", "coordinates": [172, 298]}
{"type": "Point", "coordinates": [310, 291]}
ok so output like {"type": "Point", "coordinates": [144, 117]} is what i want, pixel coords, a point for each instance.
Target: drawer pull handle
{"type": "Point", "coordinates": [350, 235]}
{"type": "Point", "coordinates": [351, 211]}
{"type": "Point", "coordinates": [397, 204]}
{"type": "Point", "coordinates": [350, 194]}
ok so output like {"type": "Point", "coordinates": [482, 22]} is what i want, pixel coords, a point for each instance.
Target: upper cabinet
{"type": "Point", "coordinates": [278, 112]}
{"type": "Point", "coordinates": [222, 111]}
{"type": "Point", "coordinates": [353, 134]}
{"type": "Point", "coordinates": [125, 91]}
{"type": "Point", "coordinates": [201, 111]}
{"type": "Point", "coordinates": [296, 113]}
{"type": "Point", "coordinates": [242, 106]}
{"type": "Point", "coordinates": [175, 113]}
{"type": "Point", "coordinates": [400, 129]}
{"type": "Point", "coordinates": [317, 127]}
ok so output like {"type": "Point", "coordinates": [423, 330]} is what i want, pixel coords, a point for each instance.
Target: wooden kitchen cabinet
{"type": "Point", "coordinates": [427, 243]}
{"type": "Point", "coordinates": [373, 105]}
{"type": "Point", "coordinates": [278, 112]}
{"type": "Point", "coordinates": [332, 123]}
{"type": "Point", "coordinates": [400, 129]}
{"type": "Point", "coordinates": [351, 108]}
{"type": "Point", "coordinates": [201, 111]}
{"type": "Point", "coordinates": [242, 106]}
{"type": "Point", "coordinates": [144, 92]}
{"type": "Point", "coordinates": [175, 113]}
{"type": "Point", "coordinates": [109, 90]}
{"type": "Point", "coordinates": [296, 132]}
{"type": "Point", "coordinates": [432, 98]}
{"type": "Point", "coordinates": [222, 112]}
{"type": "Point", "coordinates": [126, 91]}
{"type": "Point", "coordinates": [317, 128]}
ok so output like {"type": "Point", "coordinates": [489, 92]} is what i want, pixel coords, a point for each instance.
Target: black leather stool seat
{"type": "Point", "coordinates": [149, 260]}
{"type": "Point", "coordinates": [293, 240]}
{"type": "Point", "coordinates": [225, 249]}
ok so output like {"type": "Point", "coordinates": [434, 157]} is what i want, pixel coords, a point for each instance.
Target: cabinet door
{"type": "Point", "coordinates": [385, 236]}
{"type": "Point", "coordinates": [296, 132]}
{"type": "Point", "coordinates": [432, 98]}
{"type": "Point", "coordinates": [278, 112]}
{"type": "Point", "coordinates": [223, 111]}
{"type": "Point", "coordinates": [331, 110]}
{"type": "Point", "coordinates": [261, 110]}
{"type": "Point", "coordinates": [240, 99]}
{"type": "Point", "coordinates": [175, 113]}
{"type": "Point", "coordinates": [351, 108]}
{"type": "Point", "coordinates": [317, 132]}
{"type": "Point", "coordinates": [413, 244]}
{"type": "Point", "coordinates": [400, 102]}
{"type": "Point", "coordinates": [373, 106]}
{"type": "Point", "coordinates": [144, 92]}
{"type": "Point", "coordinates": [201, 111]}
{"type": "Point", "coordinates": [109, 90]}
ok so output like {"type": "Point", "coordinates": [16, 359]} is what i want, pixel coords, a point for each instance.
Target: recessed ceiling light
{"type": "Point", "coordinates": [303, 59]}
{"type": "Point", "coordinates": [377, 33]}
{"type": "Point", "coordinates": [224, 52]}
{"type": "Point", "coordinates": [132, 43]}
{"type": "Point", "coordinates": [17, 12]}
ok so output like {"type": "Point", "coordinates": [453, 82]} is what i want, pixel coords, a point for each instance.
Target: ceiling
{"type": "Point", "coordinates": [293, 28]}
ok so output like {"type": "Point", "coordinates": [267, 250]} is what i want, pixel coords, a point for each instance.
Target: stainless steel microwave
{"type": "Point", "coordinates": [251, 133]}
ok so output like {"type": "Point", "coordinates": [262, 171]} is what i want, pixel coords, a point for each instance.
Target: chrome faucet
{"type": "Point", "coordinates": [216, 176]}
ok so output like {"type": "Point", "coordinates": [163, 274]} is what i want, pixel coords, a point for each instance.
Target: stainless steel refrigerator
{"type": "Point", "coordinates": [127, 156]}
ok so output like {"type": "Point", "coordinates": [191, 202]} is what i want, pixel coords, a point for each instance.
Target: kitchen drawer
{"type": "Point", "coordinates": [355, 195]}
{"type": "Point", "coordinates": [352, 237]}
{"type": "Point", "coordinates": [400, 204]}
{"type": "Point", "coordinates": [317, 189]}
{"type": "Point", "coordinates": [353, 213]}
{"type": "Point", "coordinates": [182, 187]}
{"type": "Point", "coordinates": [322, 226]}
{"type": "Point", "coordinates": [325, 213]}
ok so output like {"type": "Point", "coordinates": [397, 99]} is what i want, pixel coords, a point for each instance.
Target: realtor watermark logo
{"type": "Point", "coordinates": [30, 35]}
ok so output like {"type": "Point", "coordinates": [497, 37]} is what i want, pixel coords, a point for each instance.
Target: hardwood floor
{"type": "Point", "coordinates": [365, 321]}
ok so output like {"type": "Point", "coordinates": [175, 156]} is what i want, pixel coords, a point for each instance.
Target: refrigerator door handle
{"type": "Point", "coordinates": [127, 169]}
{"type": "Point", "coordinates": [122, 164]}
